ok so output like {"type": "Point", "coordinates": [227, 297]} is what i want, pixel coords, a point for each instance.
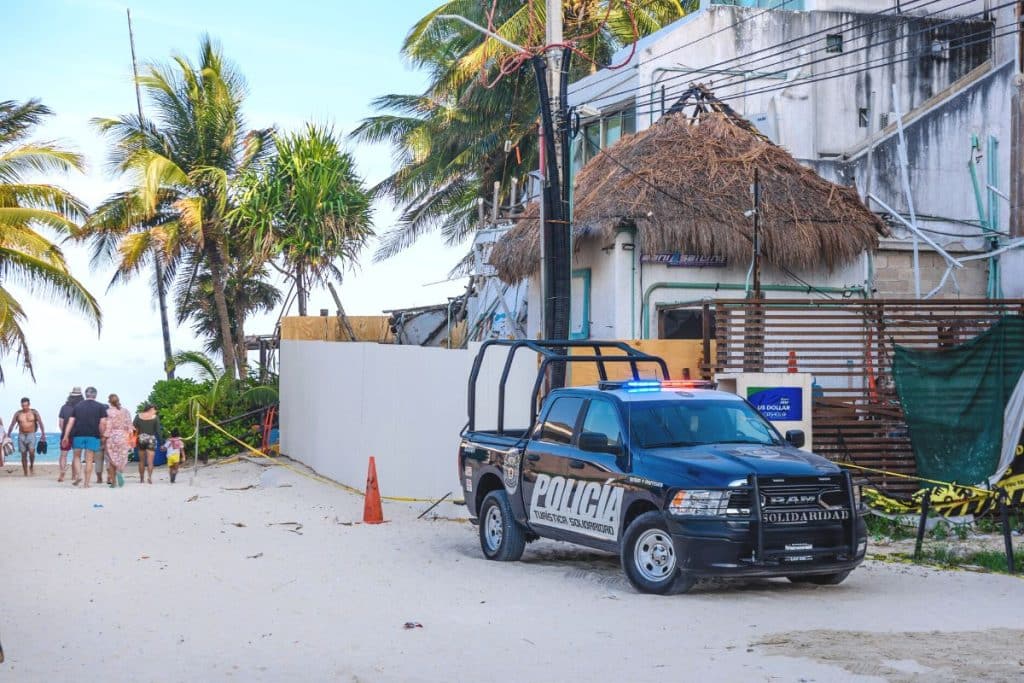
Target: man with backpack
{"type": "Point", "coordinates": [30, 427]}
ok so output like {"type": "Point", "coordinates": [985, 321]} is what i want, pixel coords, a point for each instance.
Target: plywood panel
{"type": "Point", "coordinates": [680, 355]}
{"type": "Point", "coordinates": [368, 328]}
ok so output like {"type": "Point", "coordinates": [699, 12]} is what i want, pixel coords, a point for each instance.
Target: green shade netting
{"type": "Point", "coordinates": [954, 400]}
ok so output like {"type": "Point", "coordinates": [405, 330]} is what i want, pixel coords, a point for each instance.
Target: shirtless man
{"type": "Point", "coordinates": [28, 422]}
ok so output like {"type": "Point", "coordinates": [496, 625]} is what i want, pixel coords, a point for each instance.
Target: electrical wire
{"type": "Point", "coordinates": [738, 80]}
{"type": "Point", "coordinates": [743, 62]}
{"type": "Point", "coordinates": [510, 64]}
{"type": "Point", "coordinates": [651, 107]}
{"type": "Point", "coordinates": [773, 48]}
{"type": "Point", "coordinates": [713, 33]}
{"type": "Point", "coordinates": [910, 34]}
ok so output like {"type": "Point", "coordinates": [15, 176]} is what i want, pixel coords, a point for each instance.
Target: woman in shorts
{"type": "Point", "coordinates": [147, 426]}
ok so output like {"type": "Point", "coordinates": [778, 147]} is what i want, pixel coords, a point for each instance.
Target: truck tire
{"type": "Point", "coordinates": [649, 557]}
{"type": "Point", "coordinates": [821, 579]}
{"type": "Point", "coordinates": [501, 537]}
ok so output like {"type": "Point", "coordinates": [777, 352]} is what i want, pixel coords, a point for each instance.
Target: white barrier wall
{"type": "Point", "coordinates": [404, 405]}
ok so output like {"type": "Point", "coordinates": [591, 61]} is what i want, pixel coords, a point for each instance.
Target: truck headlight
{"type": "Point", "coordinates": [699, 502]}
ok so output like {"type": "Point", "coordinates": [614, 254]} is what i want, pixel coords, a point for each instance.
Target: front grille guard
{"type": "Point", "coordinates": [756, 518]}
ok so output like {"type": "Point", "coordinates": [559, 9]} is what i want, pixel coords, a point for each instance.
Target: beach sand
{"type": "Point", "coordinates": [158, 585]}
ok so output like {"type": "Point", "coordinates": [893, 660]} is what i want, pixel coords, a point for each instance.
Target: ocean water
{"type": "Point", "coordinates": [52, 453]}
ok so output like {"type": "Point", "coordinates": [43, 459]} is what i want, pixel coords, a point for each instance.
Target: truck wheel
{"type": "Point", "coordinates": [821, 579]}
{"type": "Point", "coordinates": [501, 537]}
{"type": "Point", "coordinates": [649, 557]}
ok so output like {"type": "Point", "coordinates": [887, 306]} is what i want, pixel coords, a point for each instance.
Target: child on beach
{"type": "Point", "coordinates": [175, 446]}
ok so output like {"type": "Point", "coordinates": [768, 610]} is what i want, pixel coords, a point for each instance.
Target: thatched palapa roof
{"type": "Point", "coordinates": [684, 183]}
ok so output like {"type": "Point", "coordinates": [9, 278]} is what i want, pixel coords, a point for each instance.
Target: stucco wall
{"type": "Point", "coordinates": [404, 405]}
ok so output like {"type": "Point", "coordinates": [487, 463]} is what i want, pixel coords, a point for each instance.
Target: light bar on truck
{"type": "Point", "coordinates": [644, 386]}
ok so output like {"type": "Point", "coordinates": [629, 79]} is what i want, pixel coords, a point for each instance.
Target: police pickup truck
{"type": "Point", "coordinates": [679, 480]}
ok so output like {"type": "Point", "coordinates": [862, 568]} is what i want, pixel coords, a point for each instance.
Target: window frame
{"type": "Point", "coordinates": [623, 427]}
{"type": "Point", "coordinates": [539, 434]}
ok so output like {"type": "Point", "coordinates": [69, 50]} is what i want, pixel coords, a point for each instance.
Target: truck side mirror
{"type": "Point", "coordinates": [594, 442]}
{"type": "Point", "coordinates": [796, 438]}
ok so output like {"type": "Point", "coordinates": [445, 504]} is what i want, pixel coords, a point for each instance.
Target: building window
{"type": "Point", "coordinates": [579, 324]}
{"type": "Point", "coordinates": [598, 134]}
{"type": "Point", "coordinates": [684, 323]}
{"type": "Point", "coordinates": [862, 117]}
{"type": "Point", "coordinates": [834, 42]}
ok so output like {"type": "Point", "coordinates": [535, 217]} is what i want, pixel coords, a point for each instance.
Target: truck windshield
{"type": "Point", "coordinates": [677, 424]}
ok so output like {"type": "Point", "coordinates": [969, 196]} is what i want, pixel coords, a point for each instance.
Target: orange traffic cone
{"type": "Point", "coordinates": [372, 511]}
{"type": "Point", "coordinates": [792, 361]}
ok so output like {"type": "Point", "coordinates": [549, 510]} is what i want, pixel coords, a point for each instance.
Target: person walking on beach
{"type": "Point", "coordinates": [116, 440]}
{"type": "Point", "coordinates": [175, 447]}
{"type": "Point", "coordinates": [147, 424]}
{"type": "Point", "coordinates": [85, 427]}
{"type": "Point", "coordinates": [30, 425]}
{"type": "Point", "coordinates": [74, 398]}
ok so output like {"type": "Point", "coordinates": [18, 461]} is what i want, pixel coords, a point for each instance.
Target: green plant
{"type": "Point", "coordinates": [306, 208]}
{"type": "Point", "coordinates": [181, 163]}
{"type": "Point", "coordinates": [27, 258]}
{"type": "Point", "coordinates": [217, 397]}
{"type": "Point", "coordinates": [880, 528]}
{"type": "Point", "coordinates": [450, 141]}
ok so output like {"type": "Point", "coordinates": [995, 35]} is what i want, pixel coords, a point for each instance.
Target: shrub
{"type": "Point", "coordinates": [217, 400]}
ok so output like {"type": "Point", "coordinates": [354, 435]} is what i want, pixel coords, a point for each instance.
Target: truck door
{"type": "Point", "coordinates": [597, 470]}
{"type": "Point", "coordinates": [546, 458]}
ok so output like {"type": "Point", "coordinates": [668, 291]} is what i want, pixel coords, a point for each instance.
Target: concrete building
{"type": "Point", "coordinates": [830, 81]}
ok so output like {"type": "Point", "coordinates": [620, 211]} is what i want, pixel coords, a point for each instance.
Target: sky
{"type": "Point", "coordinates": [303, 61]}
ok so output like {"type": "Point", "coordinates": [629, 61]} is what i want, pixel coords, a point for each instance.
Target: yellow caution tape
{"type": "Point", "coordinates": [314, 477]}
{"type": "Point", "coordinates": [899, 475]}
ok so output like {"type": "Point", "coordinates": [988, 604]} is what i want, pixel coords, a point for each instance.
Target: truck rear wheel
{"type": "Point", "coordinates": [501, 537]}
{"type": "Point", "coordinates": [649, 557]}
{"type": "Point", "coordinates": [821, 579]}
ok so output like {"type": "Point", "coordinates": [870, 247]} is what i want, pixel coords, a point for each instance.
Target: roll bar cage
{"type": "Point", "coordinates": [553, 351]}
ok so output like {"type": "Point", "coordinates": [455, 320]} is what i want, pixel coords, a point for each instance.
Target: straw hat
{"type": "Point", "coordinates": [76, 391]}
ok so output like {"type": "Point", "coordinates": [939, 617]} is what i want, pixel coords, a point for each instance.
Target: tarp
{"type": "Point", "coordinates": [954, 401]}
{"type": "Point", "coordinates": [1013, 425]}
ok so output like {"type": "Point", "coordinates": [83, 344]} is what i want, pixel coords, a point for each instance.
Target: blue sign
{"type": "Point", "coordinates": [778, 404]}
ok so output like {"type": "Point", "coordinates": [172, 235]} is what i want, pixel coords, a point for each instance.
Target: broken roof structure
{"type": "Point", "coordinates": [684, 184]}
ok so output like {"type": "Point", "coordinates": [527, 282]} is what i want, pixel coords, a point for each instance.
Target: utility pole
{"type": "Point", "coordinates": [556, 248]}
{"type": "Point", "coordinates": [553, 36]}
{"type": "Point", "coordinates": [756, 263]}
{"type": "Point", "coordinates": [753, 346]}
{"type": "Point", "coordinates": [158, 268]}
{"type": "Point", "coordinates": [556, 235]}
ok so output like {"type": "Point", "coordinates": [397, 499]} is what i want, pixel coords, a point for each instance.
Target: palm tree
{"type": "Point", "coordinates": [307, 208]}
{"type": "Point", "coordinates": [247, 293]}
{"type": "Point", "coordinates": [182, 161]}
{"type": "Point", "coordinates": [450, 140]}
{"type": "Point", "coordinates": [27, 257]}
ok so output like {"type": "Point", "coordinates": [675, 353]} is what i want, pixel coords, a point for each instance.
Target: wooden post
{"type": "Point", "coordinates": [922, 524]}
{"type": "Point", "coordinates": [706, 339]}
{"type": "Point", "coordinates": [1004, 515]}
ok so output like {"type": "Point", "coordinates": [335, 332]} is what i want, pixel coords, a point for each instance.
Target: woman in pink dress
{"type": "Point", "coordinates": [117, 440]}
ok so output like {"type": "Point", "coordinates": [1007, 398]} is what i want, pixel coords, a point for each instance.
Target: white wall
{"type": "Point", "coordinates": [404, 405]}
